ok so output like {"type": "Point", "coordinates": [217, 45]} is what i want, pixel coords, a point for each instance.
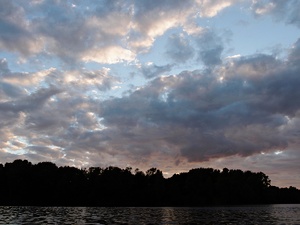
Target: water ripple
{"type": "Point", "coordinates": [269, 214]}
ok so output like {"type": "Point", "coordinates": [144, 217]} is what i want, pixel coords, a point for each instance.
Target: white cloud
{"type": "Point", "coordinates": [233, 56]}
{"type": "Point", "coordinates": [210, 8]}
{"type": "Point", "coordinates": [108, 55]}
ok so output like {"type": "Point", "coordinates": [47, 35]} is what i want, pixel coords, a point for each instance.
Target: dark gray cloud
{"type": "Point", "coordinates": [246, 110]}
{"type": "Point", "coordinates": [3, 67]}
{"type": "Point", "coordinates": [294, 55]}
{"type": "Point", "coordinates": [44, 152]}
{"type": "Point", "coordinates": [16, 35]}
{"type": "Point", "coordinates": [30, 102]}
{"type": "Point", "coordinates": [163, 10]}
{"type": "Point", "coordinates": [9, 90]}
{"type": "Point", "coordinates": [150, 70]}
{"type": "Point", "coordinates": [179, 48]}
{"type": "Point", "coordinates": [210, 48]}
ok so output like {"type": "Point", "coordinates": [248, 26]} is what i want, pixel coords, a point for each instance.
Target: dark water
{"type": "Point", "coordinates": [268, 214]}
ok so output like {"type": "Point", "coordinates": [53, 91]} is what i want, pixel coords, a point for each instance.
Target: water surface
{"type": "Point", "coordinates": [267, 214]}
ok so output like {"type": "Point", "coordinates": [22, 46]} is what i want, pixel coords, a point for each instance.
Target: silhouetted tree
{"type": "Point", "coordinates": [22, 183]}
{"type": "Point", "coordinates": [155, 187]}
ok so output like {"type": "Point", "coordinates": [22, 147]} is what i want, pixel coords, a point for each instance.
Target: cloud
{"type": "Point", "coordinates": [210, 8]}
{"type": "Point", "coordinates": [280, 10]}
{"type": "Point", "coordinates": [179, 48]}
{"type": "Point", "coordinates": [57, 86]}
{"type": "Point", "coordinates": [56, 115]}
{"type": "Point", "coordinates": [16, 35]}
{"type": "Point", "coordinates": [294, 55]}
{"type": "Point", "coordinates": [169, 14]}
{"type": "Point", "coordinates": [146, 27]}
{"type": "Point", "coordinates": [22, 82]}
{"type": "Point", "coordinates": [109, 55]}
{"type": "Point", "coordinates": [45, 153]}
{"type": "Point", "coordinates": [200, 116]}
{"type": "Point", "coordinates": [103, 32]}
{"type": "Point", "coordinates": [205, 43]}
{"type": "Point", "coordinates": [72, 33]}
{"type": "Point", "coordinates": [210, 48]}
{"type": "Point", "coordinates": [30, 102]}
{"type": "Point", "coordinates": [150, 70]}
{"type": "Point", "coordinates": [194, 115]}
{"type": "Point", "coordinates": [8, 90]}
{"type": "Point", "coordinates": [86, 80]}
{"type": "Point", "coordinates": [78, 33]}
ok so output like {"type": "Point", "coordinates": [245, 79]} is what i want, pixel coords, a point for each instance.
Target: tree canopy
{"type": "Point", "coordinates": [24, 183]}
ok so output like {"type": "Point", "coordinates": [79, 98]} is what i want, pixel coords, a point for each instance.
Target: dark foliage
{"type": "Point", "coordinates": [22, 183]}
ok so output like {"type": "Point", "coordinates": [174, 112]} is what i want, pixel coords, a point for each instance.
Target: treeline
{"type": "Point", "coordinates": [24, 183]}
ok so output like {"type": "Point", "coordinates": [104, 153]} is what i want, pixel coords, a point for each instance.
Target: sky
{"type": "Point", "coordinates": [170, 84]}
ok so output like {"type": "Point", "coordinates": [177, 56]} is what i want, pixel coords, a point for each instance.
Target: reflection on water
{"type": "Point", "coordinates": [269, 214]}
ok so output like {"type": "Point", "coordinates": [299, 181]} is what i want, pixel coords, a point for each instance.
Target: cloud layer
{"type": "Point", "coordinates": [247, 106]}
{"type": "Point", "coordinates": [143, 83]}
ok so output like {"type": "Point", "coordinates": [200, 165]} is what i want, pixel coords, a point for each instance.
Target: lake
{"type": "Point", "coordinates": [266, 214]}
